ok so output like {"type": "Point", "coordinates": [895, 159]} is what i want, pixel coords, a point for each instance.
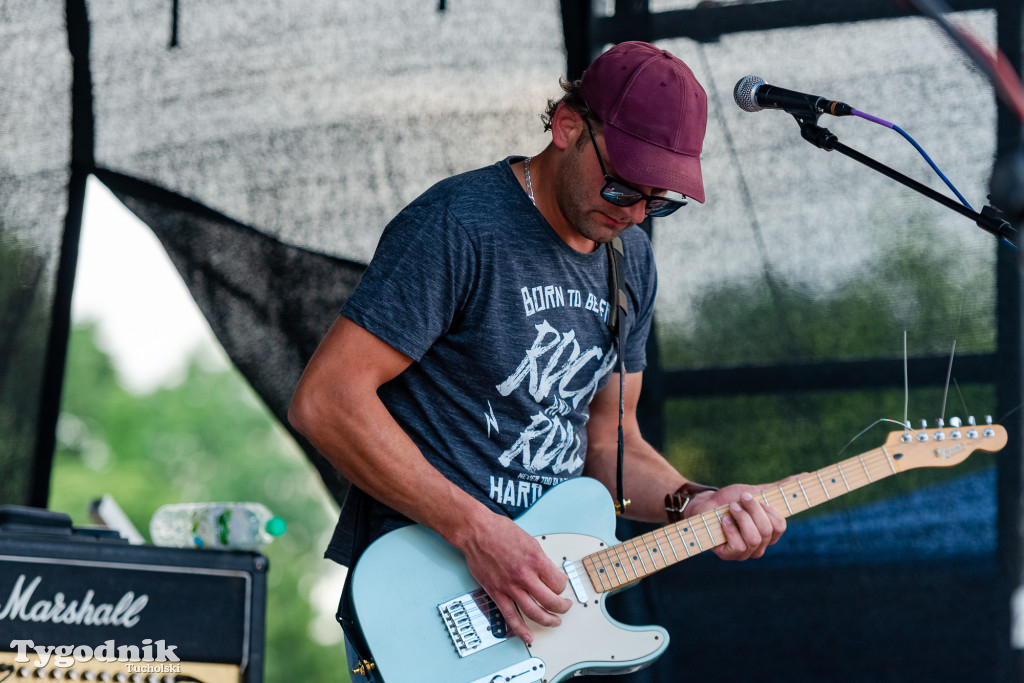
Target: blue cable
{"type": "Point", "coordinates": [932, 164]}
{"type": "Point", "coordinates": [883, 122]}
{"type": "Point", "coordinates": [944, 178]}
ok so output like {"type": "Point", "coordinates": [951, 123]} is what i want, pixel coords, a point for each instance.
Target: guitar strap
{"type": "Point", "coordinates": [616, 323]}
{"type": "Point", "coordinates": [361, 532]}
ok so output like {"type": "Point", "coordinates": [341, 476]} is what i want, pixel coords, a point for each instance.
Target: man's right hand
{"type": "Point", "coordinates": [511, 566]}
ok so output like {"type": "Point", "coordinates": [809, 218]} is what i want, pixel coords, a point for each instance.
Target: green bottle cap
{"type": "Point", "coordinates": [276, 526]}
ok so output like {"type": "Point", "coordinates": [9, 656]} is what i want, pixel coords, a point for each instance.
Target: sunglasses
{"type": "Point", "coordinates": [620, 194]}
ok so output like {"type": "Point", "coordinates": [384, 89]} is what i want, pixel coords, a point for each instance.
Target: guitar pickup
{"type": "Point", "coordinates": [569, 567]}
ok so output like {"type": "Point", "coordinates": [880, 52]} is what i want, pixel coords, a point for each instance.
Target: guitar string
{"type": "Point", "coordinates": [859, 471]}
{"type": "Point", "coordinates": [777, 498]}
{"type": "Point", "coordinates": [875, 465]}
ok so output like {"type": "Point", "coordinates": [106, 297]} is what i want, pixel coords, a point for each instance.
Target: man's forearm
{"type": "Point", "coordinates": [370, 449]}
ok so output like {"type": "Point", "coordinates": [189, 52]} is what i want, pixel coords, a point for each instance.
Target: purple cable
{"type": "Point", "coordinates": [873, 119]}
{"type": "Point", "coordinates": [892, 126]}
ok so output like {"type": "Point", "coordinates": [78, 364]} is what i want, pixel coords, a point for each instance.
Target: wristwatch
{"type": "Point", "coordinates": [675, 503]}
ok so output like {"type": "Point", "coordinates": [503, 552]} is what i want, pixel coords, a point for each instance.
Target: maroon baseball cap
{"type": "Point", "coordinates": [654, 113]}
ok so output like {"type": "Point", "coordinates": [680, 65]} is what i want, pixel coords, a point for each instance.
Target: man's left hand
{"type": "Point", "coordinates": [750, 527]}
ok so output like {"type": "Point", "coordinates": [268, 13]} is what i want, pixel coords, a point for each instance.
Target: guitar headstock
{"type": "Point", "coordinates": [942, 446]}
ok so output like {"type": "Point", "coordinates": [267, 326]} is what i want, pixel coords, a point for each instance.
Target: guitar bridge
{"type": "Point", "coordinates": [473, 621]}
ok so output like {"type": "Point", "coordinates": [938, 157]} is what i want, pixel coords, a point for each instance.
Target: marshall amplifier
{"type": "Point", "coordinates": [83, 604]}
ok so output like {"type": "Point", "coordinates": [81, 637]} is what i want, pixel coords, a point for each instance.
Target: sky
{"type": "Point", "coordinates": [126, 284]}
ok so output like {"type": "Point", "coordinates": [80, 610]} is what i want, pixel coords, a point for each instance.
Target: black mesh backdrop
{"type": "Point", "coordinates": [268, 302]}
{"type": "Point", "coordinates": [35, 147]}
{"type": "Point", "coordinates": [268, 143]}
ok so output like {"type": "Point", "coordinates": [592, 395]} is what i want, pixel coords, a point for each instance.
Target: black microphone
{"type": "Point", "coordinates": [753, 94]}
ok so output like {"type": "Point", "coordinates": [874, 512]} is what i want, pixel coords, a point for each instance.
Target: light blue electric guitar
{"type": "Point", "coordinates": [426, 620]}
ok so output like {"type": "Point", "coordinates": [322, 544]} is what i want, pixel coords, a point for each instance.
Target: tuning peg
{"type": "Point", "coordinates": [924, 424]}
{"type": "Point", "coordinates": [971, 421]}
{"type": "Point", "coordinates": [954, 422]}
{"type": "Point", "coordinates": [988, 419]}
{"type": "Point", "coordinates": [940, 423]}
{"type": "Point", "coordinates": [907, 426]}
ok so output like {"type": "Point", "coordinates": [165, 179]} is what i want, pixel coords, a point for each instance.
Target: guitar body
{"type": "Point", "coordinates": [402, 579]}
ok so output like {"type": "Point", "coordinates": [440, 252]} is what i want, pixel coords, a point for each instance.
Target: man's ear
{"type": "Point", "coordinates": [566, 126]}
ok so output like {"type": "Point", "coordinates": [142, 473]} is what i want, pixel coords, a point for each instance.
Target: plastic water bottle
{"type": "Point", "coordinates": [220, 526]}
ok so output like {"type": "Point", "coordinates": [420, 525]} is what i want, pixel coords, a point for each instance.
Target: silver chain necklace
{"type": "Point", "coordinates": [529, 185]}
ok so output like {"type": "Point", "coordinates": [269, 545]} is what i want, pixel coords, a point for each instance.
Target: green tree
{"type": "Point", "coordinates": [207, 438]}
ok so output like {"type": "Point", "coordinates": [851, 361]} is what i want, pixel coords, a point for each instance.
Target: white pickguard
{"type": "Point", "coordinates": [589, 640]}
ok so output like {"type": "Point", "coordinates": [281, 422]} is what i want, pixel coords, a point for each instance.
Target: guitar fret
{"type": "Point", "coordinates": [639, 556]}
{"type": "Point", "coordinates": [681, 538]}
{"type": "Point", "coordinates": [804, 491]}
{"type": "Point", "coordinates": [606, 560]}
{"type": "Point", "coordinates": [599, 569]}
{"type": "Point", "coordinates": [660, 549]}
{"type": "Point", "coordinates": [696, 537]}
{"type": "Point", "coordinates": [628, 561]}
{"type": "Point", "coordinates": [603, 573]}
{"type": "Point", "coordinates": [657, 551]}
{"type": "Point", "coordinates": [618, 564]}
{"type": "Point", "coordinates": [861, 458]}
{"type": "Point", "coordinates": [888, 459]}
{"type": "Point", "coordinates": [823, 487]}
{"type": "Point", "coordinates": [671, 545]}
{"type": "Point", "coordinates": [843, 475]}
{"type": "Point", "coordinates": [785, 500]}
{"type": "Point", "coordinates": [650, 553]}
{"type": "Point", "coordinates": [614, 567]}
{"type": "Point", "coordinates": [710, 535]}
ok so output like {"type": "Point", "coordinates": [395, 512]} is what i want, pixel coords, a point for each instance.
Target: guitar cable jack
{"type": "Point", "coordinates": [364, 668]}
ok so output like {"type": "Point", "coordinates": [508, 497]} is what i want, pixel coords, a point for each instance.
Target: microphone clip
{"type": "Point", "coordinates": [822, 138]}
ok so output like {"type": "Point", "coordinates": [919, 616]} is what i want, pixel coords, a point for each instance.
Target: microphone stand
{"type": "Point", "coordinates": [990, 219]}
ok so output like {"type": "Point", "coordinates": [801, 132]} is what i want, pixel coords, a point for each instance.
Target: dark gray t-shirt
{"type": "Point", "coordinates": [507, 327]}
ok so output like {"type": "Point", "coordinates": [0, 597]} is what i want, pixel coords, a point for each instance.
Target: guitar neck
{"type": "Point", "coordinates": [643, 555]}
